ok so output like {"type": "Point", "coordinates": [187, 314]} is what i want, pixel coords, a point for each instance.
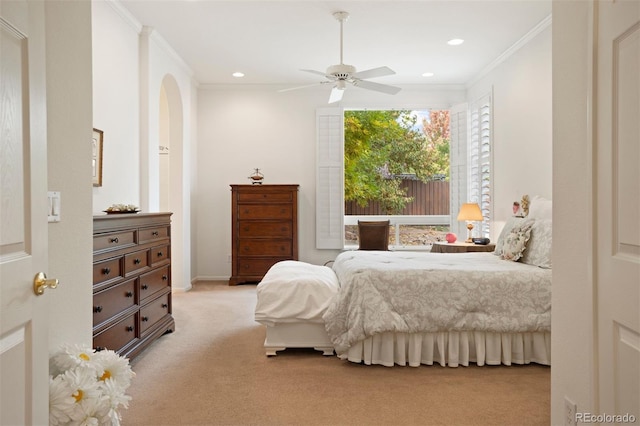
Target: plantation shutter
{"type": "Point", "coordinates": [330, 178]}
{"type": "Point", "coordinates": [480, 160]}
{"type": "Point", "coordinates": [458, 120]}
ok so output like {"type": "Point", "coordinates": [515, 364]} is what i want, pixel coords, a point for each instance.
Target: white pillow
{"type": "Point", "coordinates": [508, 226]}
{"type": "Point", "coordinates": [540, 208]}
{"type": "Point", "coordinates": [516, 242]}
{"type": "Point", "coordinates": [538, 251]}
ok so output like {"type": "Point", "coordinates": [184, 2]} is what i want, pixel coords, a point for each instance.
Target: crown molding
{"type": "Point", "coordinates": [535, 31]}
{"type": "Point", "coordinates": [125, 15]}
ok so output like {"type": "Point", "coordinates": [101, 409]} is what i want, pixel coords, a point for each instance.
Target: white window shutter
{"type": "Point", "coordinates": [330, 178]}
{"type": "Point", "coordinates": [458, 122]}
{"type": "Point", "coordinates": [480, 185]}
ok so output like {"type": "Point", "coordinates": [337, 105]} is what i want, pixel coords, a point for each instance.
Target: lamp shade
{"type": "Point", "coordinates": [470, 211]}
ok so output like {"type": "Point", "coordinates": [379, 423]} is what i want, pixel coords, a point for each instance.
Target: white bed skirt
{"type": "Point", "coordinates": [452, 349]}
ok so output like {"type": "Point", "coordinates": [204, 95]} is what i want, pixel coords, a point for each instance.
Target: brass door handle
{"type": "Point", "coordinates": [40, 283]}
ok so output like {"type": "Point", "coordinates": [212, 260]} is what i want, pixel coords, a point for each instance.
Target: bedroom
{"type": "Point", "coordinates": [123, 112]}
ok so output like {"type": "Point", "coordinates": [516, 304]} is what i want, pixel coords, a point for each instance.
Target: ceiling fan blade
{"type": "Point", "coordinates": [336, 95]}
{"type": "Point", "coordinates": [384, 88]}
{"type": "Point", "coordinates": [374, 72]}
{"type": "Point", "coordinates": [318, 73]}
{"type": "Point", "coordinates": [303, 87]}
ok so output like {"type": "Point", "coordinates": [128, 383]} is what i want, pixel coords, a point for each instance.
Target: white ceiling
{"type": "Point", "coordinates": [270, 41]}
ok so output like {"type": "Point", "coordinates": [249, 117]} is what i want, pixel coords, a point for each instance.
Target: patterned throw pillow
{"type": "Point", "coordinates": [538, 251]}
{"type": "Point", "coordinates": [516, 242]}
{"type": "Point", "coordinates": [512, 222]}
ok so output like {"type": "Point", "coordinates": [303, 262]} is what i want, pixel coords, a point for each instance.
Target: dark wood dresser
{"type": "Point", "coordinates": [264, 229]}
{"type": "Point", "coordinates": [131, 281]}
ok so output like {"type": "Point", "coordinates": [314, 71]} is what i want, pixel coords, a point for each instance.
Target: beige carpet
{"type": "Point", "coordinates": [213, 371]}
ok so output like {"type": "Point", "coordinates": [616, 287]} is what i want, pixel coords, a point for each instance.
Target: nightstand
{"type": "Point", "coordinates": [442, 247]}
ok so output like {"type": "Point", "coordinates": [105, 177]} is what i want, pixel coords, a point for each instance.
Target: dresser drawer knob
{"type": "Point", "coordinates": [97, 309]}
{"type": "Point", "coordinates": [129, 294]}
{"type": "Point", "coordinates": [100, 348]}
{"type": "Point", "coordinates": [155, 233]}
{"type": "Point", "coordinates": [129, 328]}
{"type": "Point", "coordinates": [164, 278]}
{"type": "Point", "coordinates": [160, 254]}
{"type": "Point", "coordinates": [144, 286]}
{"type": "Point", "coordinates": [136, 261]}
{"type": "Point", "coordinates": [145, 319]}
{"type": "Point", "coordinates": [106, 271]}
{"type": "Point", "coordinates": [165, 305]}
{"type": "Point", "coordinates": [113, 240]}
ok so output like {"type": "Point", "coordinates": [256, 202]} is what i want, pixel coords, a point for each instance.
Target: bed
{"type": "Point", "coordinates": [413, 308]}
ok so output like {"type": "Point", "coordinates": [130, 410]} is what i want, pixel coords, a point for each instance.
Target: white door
{"type": "Point", "coordinates": [618, 213]}
{"type": "Point", "coordinates": [24, 336]}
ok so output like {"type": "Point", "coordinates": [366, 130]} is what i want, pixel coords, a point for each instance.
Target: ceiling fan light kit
{"type": "Point", "coordinates": [341, 74]}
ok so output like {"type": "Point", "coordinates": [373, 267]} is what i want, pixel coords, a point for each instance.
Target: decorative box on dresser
{"type": "Point", "coordinates": [131, 281]}
{"type": "Point", "coordinates": [264, 229]}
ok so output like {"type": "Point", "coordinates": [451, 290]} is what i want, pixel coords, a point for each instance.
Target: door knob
{"type": "Point", "coordinates": [40, 283]}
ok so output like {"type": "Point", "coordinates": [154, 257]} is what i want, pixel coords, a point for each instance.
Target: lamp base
{"type": "Point", "coordinates": [470, 237]}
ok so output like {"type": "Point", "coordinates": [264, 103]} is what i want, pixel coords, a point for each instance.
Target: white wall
{"type": "Point", "coordinates": [522, 123]}
{"type": "Point", "coordinates": [116, 105]}
{"type": "Point", "coordinates": [69, 118]}
{"type": "Point", "coordinates": [572, 321]}
{"type": "Point", "coordinates": [131, 62]}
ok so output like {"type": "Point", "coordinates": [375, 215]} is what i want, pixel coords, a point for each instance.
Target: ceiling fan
{"type": "Point", "coordinates": [342, 74]}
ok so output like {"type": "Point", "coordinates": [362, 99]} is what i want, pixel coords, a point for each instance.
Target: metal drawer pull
{"type": "Point", "coordinates": [165, 305]}
{"type": "Point", "coordinates": [129, 328]}
{"type": "Point", "coordinates": [164, 278]}
{"type": "Point", "coordinates": [160, 254]}
{"type": "Point", "coordinates": [106, 271]}
{"type": "Point", "coordinates": [136, 261]}
{"type": "Point", "coordinates": [145, 319]}
{"type": "Point", "coordinates": [129, 294]}
{"type": "Point", "coordinates": [144, 286]}
{"type": "Point", "coordinates": [97, 309]}
{"type": "Point", "coordinates": [155, 233]}
{"type": "Point", "coordinates": [113, 240]}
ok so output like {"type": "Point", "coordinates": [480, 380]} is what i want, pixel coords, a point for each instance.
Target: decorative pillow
{"type": "Point", "coordinates": [508, 226]}
{"type": "Point", "coordinates": [538, 251]}
{"type": "Point", "coordinates": [540, 208]}
{"type": "Point", "coordinates": [516, 242]}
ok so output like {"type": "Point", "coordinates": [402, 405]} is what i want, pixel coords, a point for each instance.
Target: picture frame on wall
{"type": "Point", "coordinates": [96, 146]}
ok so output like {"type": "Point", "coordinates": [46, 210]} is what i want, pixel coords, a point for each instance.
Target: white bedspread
{"type": "Point", "coordinates": [293, 291]}
{"type": "Point", "coordinates": [413, 292]}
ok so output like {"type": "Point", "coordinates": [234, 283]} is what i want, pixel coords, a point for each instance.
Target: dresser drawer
{"type": "Point", "coordinates": [114, 240]}
{"type": "Point", "coordinates": [118, 335]}
{"type": "Point", "coordinates": [107, 270]}
{"type": "Point", "coordinates": [282, 248]}
{"type": "Point", "coordinates": [113, 300]}
{"type": "Point", "coordinates": [159, 255]}
{"type": "Point", "coordinates": [154, 281]}
{"type": "Point", "coordinates": [265, 197]}
{"type": "Point", "coordinates": [249, 266]}
{"type": "Point", "coordinates": [148, 235]}
{"type": "Point", "coordinates": [154, 311]}
{"type": "Point", "coordinates": [265, 211]}
{"type": "Point", "coordinates": [136, 261]}
{"type": "Point", "coordinates": [265, 229]}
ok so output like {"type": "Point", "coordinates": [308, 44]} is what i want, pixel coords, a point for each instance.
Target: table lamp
{"type": "Point", "coordinates": [470, 212]}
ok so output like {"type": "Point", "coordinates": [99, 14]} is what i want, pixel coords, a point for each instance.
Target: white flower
{"type": "Point", "coordinates": [114, 367]}
{"type": "Point", "coordinates": [88, 387]}
{"type": "Point", "coordinates": [61, 403]}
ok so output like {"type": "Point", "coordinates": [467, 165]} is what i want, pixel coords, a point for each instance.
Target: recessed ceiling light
{"type": "Point", "coordinates": [427, 74]}
{"type": "Point", "coordinates": [238, 74]}
{"type": "Point", "coordinates": [455, 42]}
